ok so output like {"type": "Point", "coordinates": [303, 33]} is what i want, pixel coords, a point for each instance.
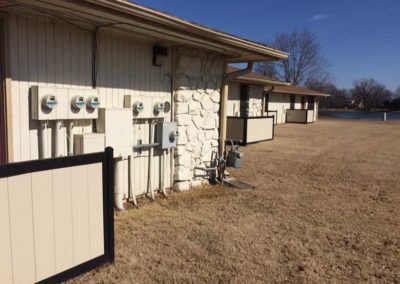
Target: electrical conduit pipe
{"type": "Point", "coordinates": [131, 181]}
{"type": "Point", "coordinates": [43, 139]}
{"type": "Point", "coordinates": [71, 138]}
{"type": "Point", "coordinates": [149, 181]}
{"type": "Point", "coordinates": [57, 139]}
{"type": "Point", "coordinates": [164, 159]}
{"type": "Point", "coordinates": [118, 183]}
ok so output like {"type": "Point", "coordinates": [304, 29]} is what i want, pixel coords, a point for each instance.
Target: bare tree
{"type": "Point", "coordinates": [305, 60]}
{"type": "Point", "coordinates": [370, 93]}
{"type": "Point", "coordinates": [397, 92]}
{"type": "Point", "coordinates": [267, 68]}
{"type": "Point", "coordinates": [338, 97]}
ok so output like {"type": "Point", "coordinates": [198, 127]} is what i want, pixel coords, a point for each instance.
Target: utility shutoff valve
{"type": "Point", "coordinates": [93, 102]}
{"type": "Point", "coordinates": [138, 107]}
{"type": "Point", "coordinates": [158, 107]}
{"type": "Point", "coordinates": [49, 102]}
{"type": "Point", "coordinates": [78, 102]}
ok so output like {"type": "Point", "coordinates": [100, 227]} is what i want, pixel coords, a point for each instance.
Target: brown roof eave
{"type": "Point", "coordinates": [261, 82]}
{"type": "Point", "coordinates": [299, 93]}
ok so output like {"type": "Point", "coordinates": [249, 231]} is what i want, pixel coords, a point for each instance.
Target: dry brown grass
{"type": "Point", "coordinates": [326, 209]}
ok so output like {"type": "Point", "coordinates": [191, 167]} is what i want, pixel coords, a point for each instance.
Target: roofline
{"type": "Point", "coordinates": [176, 22]}
{"type": "Point", "coordinates": [299, 93]}
{"type": "Point", "coordinates": [162, 26]}
{"type": "Point", "coordinates": [261, 81]}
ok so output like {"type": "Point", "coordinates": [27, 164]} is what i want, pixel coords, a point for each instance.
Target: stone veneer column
{"type": "Point", "coordinates": [198, 79]}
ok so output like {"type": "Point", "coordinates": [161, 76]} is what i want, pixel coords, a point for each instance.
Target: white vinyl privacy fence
{"type": "Point", "coordinates": [56, 218]}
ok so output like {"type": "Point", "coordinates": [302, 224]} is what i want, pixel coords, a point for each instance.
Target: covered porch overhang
{"type": "Point", "coordinates": [149, 23]}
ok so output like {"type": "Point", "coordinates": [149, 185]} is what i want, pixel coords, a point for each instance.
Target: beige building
{"type": "Point", "coordinates": [254, 95]}
{"type": "Point", "coordinates": [257, 103]}
{"type": "Point", "coordinates": [82, 75]}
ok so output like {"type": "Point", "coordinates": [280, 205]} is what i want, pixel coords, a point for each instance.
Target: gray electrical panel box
{"type": "Point", "coordinates": [167, 134]}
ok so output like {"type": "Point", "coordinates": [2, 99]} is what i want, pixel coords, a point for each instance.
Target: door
{"type": "Point", "coordinates": [244, 100]}
{"type": "Point", "coordinates": [311, 102]}
{"type": "Point", "coordinates": [266, 103]}
{"type": "Point", "coordinates": [303, 102]}
{"type": "Point", "coordinates": [292, 101]}
{"type": "Point", "coordinates": [3, 113]}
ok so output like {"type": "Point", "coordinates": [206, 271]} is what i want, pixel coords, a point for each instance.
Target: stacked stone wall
{"type": "Point", "coordinates": [198, 79]}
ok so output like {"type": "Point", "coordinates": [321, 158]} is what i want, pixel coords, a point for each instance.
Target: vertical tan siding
{"type": "Point", "coordinates": [51, 221]}
{"type": "Point", "coordinates": [46, 52]}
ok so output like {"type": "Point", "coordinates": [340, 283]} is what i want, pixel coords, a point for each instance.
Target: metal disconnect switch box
{"type": "Point", "coordinates": [88, 143]}
{"type": "Point", "coordinates": [167, 134]}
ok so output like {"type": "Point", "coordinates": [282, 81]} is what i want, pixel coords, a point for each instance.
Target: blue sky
{"type": "Point", "coordinates": [360, 38]}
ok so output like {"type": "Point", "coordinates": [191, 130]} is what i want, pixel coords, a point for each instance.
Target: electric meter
{"type": "Point", "coordinates": [93, 102]}
{"type": "Point", "coordinates": [158, 107]}
{"type": "Point", "coordinates": [78, 102]}
{"type": "Point", "coordinates": [49, 102]}
{"type": "Point", "coordinates": [138, 107]}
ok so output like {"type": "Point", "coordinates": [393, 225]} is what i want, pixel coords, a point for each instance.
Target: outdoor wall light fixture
{"type": "Point", "coordinates": [160, 55]}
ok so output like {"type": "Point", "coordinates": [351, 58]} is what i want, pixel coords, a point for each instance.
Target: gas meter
{"type": "Point", "coordinates": [233, 156]}
{"type": "Point", "coordinates": [49, 102]}
{"type": "Point", "coordinates": [78, 102]}
{"type": "Point", "coordinates": [93, 102]}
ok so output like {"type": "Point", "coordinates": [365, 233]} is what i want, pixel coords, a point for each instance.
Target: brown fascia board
{"type": "Point", "coordinates": [305, 93]}
{"type": "Point", "coordinates": [170, 20]}
{"type": "Point", "coordinates": [163, 25]}
{"type": "Point", "coordinates": [261, 82]}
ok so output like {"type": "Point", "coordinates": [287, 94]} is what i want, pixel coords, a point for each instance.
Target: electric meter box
{"type": "Point", "coordinates": [46, 103]}
{"type": "Point", "coordinates": [92, 104]}
{"type": "Point", "coordinates": [89, 143]}
{"type": "Point", "coordinates": [150, 107]}
{"type": "Point", "coordinates": [76, 104]}
{"type": "Point", "coordinates": [63, 103]}
{"type": "Point", "coordinates": [146, 104]}
{"type": "Point", "coordinates": [167, 134]}
{"type": "Point", "coordinates": [117, 125]}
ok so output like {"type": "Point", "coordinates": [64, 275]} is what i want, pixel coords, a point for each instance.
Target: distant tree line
{"type": "Point", "coordinates": [366, 94]}
{"type": "Point", "coordinates": [306, 66]}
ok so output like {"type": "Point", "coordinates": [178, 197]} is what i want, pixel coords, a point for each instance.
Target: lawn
{"type": "Point", "coordinates": [326, 209]}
